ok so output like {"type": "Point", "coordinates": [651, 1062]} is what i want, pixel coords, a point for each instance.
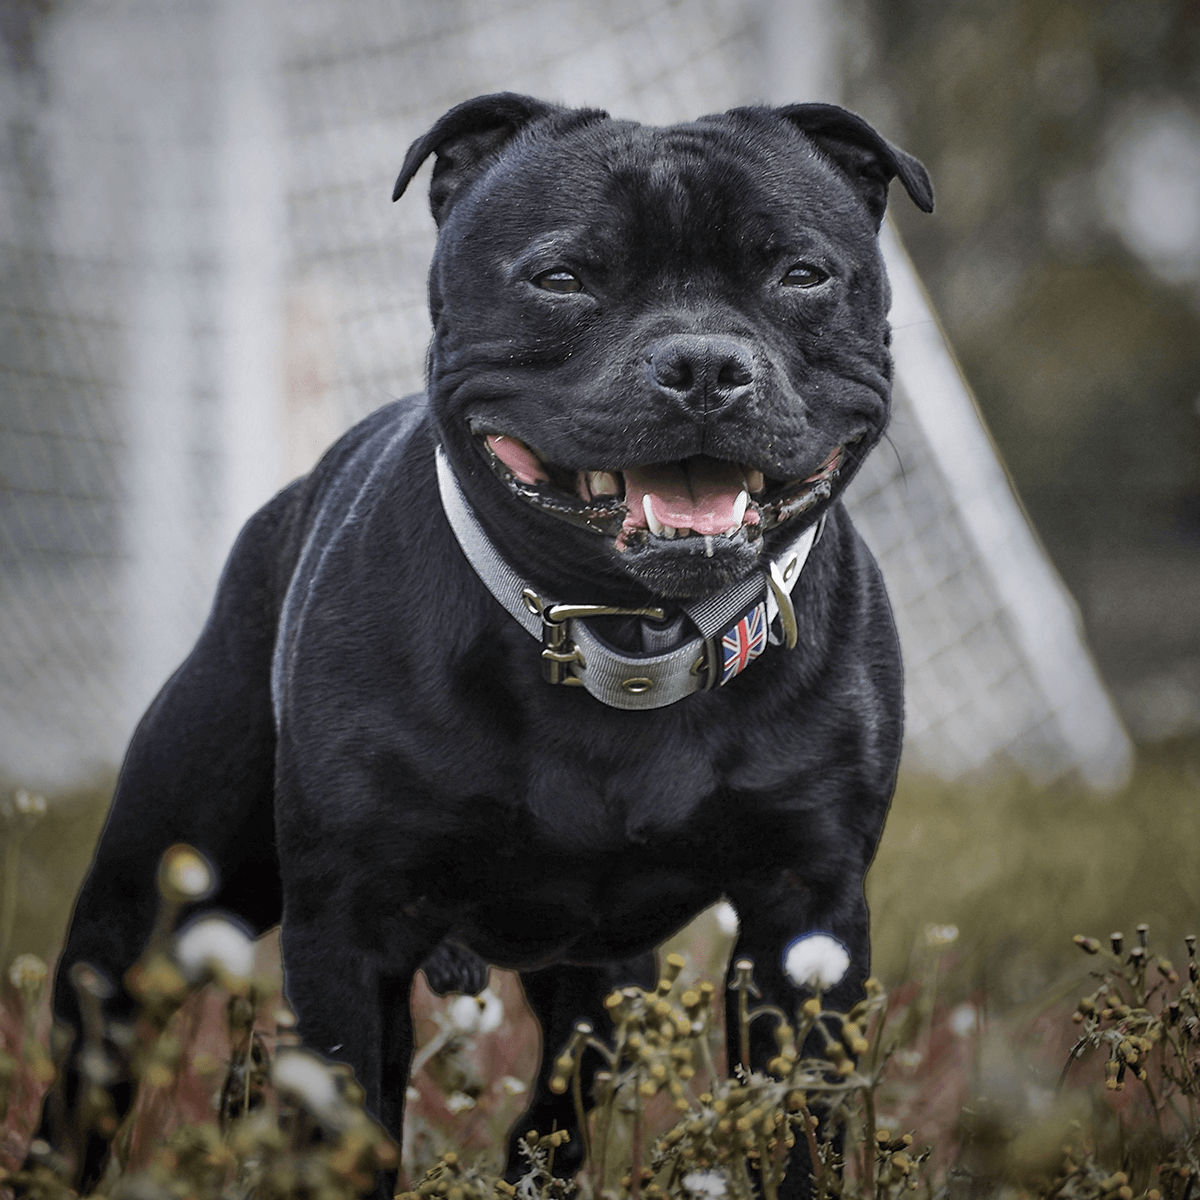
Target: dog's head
{"type": "Point", "coordinates": [655, 347]}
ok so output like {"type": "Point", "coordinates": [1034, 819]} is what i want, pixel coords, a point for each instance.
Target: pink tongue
{"type": "Point", "coordinates": [698, 495]}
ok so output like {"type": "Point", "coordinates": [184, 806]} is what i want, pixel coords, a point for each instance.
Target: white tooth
{"type": "Point", "coordinates": [754, 479]}
{"type": "Point", "coordinates": [604, 483]}
{"type": "Point", "coordinates": [684, 531]}
{"type": "Point", "coordinates": [668, 532]}
{"type": "Point", "coordinates": [708, 546]}
{"type": "Point", "coordinates": [732, 530]}
{"type": "Point", "coordinates": [739, 505]}
{"type": "Point", "coordinates": [651, 519]}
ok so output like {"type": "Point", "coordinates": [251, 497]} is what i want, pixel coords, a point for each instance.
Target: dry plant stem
{"type": "Point", "coordinates": [778, 1161]}
{"type": "Point", "coordinates": [427, 1051]}
{"type": "Point", "coordinates": [1154, 1106]}
{"type": "Point", "coordinates": [810, 1136]}
{"type": "Point", "coordinates": [743, 1028]}
{"type": "Point", "coordinates": [767, 1175]}
{"type": "Point", "coordinates": [635, 1149]}
{"type": "Point", "coordinates": [765, 1010]}
{"type": "Point", "coordinates": [8, 913]}
{"type": "Point", "coordinates": [603, 1111]}
{"type": "Point", "coordinates": [869, 1143]}
{"type": "Point", "coordinates": [706, 1054]}
{"type": "Point", "coordinates": [1181, 1058]}
{"type": "Point", "coordinates": [247, 1068]}
{"type": "Point", "coordinates": [604, 1118]}
{"type": "Point", "coordinates": [580, 1114]}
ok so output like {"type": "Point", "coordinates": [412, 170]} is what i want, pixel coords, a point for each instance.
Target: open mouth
{"type": "Point", "coordinates": [659, 502]}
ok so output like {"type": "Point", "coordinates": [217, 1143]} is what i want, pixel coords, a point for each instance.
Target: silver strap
{"type": "Point", "coordinates": [621, 680]}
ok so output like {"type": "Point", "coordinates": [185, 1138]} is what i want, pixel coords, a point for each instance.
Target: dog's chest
{"type": "Point", "coordinates": [602, 860]}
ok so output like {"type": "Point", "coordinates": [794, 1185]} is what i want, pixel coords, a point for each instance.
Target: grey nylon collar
{"type": "Point", "coordinates": [574, 655]}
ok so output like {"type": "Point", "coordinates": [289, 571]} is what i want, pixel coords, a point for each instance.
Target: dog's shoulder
{"type": "Point", "coordinates": [362, 459]}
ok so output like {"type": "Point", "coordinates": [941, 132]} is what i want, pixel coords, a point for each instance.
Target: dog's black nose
{"type": "Point", "coordinates": [703, 372]}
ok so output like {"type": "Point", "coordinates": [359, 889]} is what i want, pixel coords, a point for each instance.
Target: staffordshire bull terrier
{"type": "Point", "coordinates": [533, 668]}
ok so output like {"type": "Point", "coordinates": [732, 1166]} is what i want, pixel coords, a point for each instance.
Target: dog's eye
{"type": "Point", "coordinates": [558, 280]}
{"type": "Point", "coordinates": [804, 275]}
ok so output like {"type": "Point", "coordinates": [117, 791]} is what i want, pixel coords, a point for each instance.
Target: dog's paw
{"type": "Point", "coordinates": [454, 968]}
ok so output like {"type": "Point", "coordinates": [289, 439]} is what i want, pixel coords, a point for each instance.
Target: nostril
{"type": "Point", "coordinates": [672, 369]}
{"type": "Point", "coordinates": [735, 372]}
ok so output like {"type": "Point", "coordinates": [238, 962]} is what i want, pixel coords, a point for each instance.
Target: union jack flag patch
{"type": "Point", "coordinates": [744, 642]}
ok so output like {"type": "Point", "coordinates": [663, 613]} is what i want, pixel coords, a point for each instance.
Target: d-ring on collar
{"type": "Point", "coordinates": [735, 624]}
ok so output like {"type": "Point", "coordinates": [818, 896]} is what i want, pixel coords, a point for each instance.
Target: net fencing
{"type": "Point", "coordinates": [202, 282]}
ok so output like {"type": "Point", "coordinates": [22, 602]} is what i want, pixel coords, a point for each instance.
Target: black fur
{"type": "Point", "coordinates": [362, 742]}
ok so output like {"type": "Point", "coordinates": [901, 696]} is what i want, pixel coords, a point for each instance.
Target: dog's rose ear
{"type": "Point", "coordinates": [465, 139]}
{"type": "Point", "coordinates": [870, 160]}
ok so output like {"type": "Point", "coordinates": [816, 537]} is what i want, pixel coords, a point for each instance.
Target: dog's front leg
{"type": "Point", "coordinates": [559, 997]}
{"type": "Point", "coordinates": [352, 1006]}
{"type": "Point", "coordinates": [774, 915]}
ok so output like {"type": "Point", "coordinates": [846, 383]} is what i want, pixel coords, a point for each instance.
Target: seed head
{"type": "Point", "coordinates": [817, 960]}
{"type": "Point", "coordinates": [941, 935]}
{"type": "Point", "coordinates": [727, 918]}
{"type": "Point", "coordinates": [213, 944]}
{"type": "Point", "coordinates": [184, 875]}
{"type": "Point", "coordinates": [476, 1014]}
{"type": "Point", "coordinates": [27, 972]}
{"type": "Point", "coordinates": [306, 1079]}
{"type": "Point", "coordinates": [705, 1185]}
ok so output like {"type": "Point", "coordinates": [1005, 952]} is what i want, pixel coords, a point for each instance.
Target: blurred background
{"type": "Point", "coordinates": [203, 282]}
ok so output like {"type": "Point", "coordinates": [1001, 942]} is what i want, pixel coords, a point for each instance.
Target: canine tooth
{"type": "Point", "coordinates": [739, 506]}
{"type": "Point", "coordinates": [604, 483]}
{"type": "Point", "coordinates": [754, 480]}
{"type": "Point", "coordinates": [651, 519]}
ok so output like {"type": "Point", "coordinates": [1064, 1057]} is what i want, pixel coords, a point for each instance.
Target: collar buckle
{"type": "Point", "coordinates": [559, 652]}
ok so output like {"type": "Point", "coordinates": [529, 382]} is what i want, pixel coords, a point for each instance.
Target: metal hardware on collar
{"type": "Point", "coordinates": [777, 582]}
{"type": "Point", "coordinates": [707, 664]}
{"type": "Point", "coordinates": [730, 637]}
{"type": "Point", "coordinates": [560, 653]}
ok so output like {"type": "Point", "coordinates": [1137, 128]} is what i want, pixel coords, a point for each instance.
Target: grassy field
{"type": "Point", "coordinates": [975, 895]}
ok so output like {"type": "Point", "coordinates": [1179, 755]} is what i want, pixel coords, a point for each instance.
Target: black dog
{"type": "Point", "coordinates": [537, 668]}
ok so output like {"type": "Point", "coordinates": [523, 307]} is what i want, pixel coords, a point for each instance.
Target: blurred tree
{"type": "Point", "coordinates": [1063, 137]}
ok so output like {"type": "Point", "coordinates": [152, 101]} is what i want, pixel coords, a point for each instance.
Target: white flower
{"type": "Point", "coordinates": [458, 1102]}
{"type": "Point", "coordinates": [213, 943]}
{"type": "Point", "coordinates": [304, 1077]}
{"type": "Point", "coordinates": [705, 1183]}
{"type": "Point", "coordinates": [727, 918]}
{"type": "Point", "coordinates": [27, 971]}
{"type": "Point", "coordinates": [475, 1014]}
{"type": "Point", "coordinates": [816, 960]}
{"type": "Point", "coordinates": [964, 1020]}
